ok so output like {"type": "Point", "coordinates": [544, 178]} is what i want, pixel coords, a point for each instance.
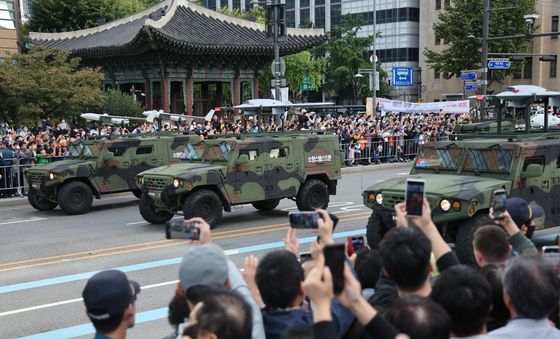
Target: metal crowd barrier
{"type": "Point", "coordinates": [12, 179]}
{"type": "Point", "coordinates": [376, 152]}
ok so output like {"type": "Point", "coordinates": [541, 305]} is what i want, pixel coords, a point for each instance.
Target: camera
{"type": "Point", "coordinates": [530, 18]}
{"type": "Point", "coordinates": [182, 229]}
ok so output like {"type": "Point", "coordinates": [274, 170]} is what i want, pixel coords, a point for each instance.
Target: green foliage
{"type": "Point", "coordinates": [47, 82]}
{"type": "Point", "coordinates": [255, 14]}
{"type": "Point", "coordinates": [119, 103]}
{"type": "Point", "coordinates": [64, 15]}
{"type": "Point", "coordinates": [301, 65]}
{"type": "Point", "coordinates": [463, 52]}
{"type": "Point", "coordinates": [347, 52]}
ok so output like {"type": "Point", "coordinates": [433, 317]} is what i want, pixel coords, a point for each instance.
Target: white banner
{"type": "Point", "coordinates": [454, 107]}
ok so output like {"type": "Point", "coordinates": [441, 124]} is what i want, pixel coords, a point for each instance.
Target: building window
{"type": "Point", "coordinates": [336, 14]}
{"type": "Point", "coordinates": [223, 3]}
{"type": "Point", "coordinates": [304, 20]}
{"type": "Point", "coordinates": [211, 4]}
{"type": "Point", "coordinates": [554, 26]}
{"type": "Point", "coordinates": [438, 5]}
{"type": "Point", "coordinates": [304, 3]}
{"type": "Point", "coordinates": [528, 68]}
{"type": "Point", "coordinates": [290, 4]}
{"type": "Point", "coordinates": [236, 4]}
{"type": "Point", "coordinates": [437, 41]}
{"type": "Point", "coordinates": [320, 17]}
{"type": "Point", "coordinates": [291, 19]}
{"type": "Point", "coordinates": [447, 4]}
{"type": "Point", "coordinates": [437, 75]}
{"type": "Point", "coordinates": [7, 15]}
{"type": "Point", "coordinates": [553, 65]}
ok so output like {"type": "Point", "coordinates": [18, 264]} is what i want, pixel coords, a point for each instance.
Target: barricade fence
{"type": "Point", "coordinates": [12, 179]}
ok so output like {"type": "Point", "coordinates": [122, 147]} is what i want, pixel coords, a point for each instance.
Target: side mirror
{"type": "Point", "coordinates": [532, 171]}
{"type": "Point", "coordinates": [108, 156]}
{"type": "Point", "coordinates": [243, 159]}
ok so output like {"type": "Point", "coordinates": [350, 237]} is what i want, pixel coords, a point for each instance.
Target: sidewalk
{"type": "Point", "coordinates": [17, 201]}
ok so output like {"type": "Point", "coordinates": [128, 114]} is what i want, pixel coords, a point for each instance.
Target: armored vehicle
{"type": "Point", "coordinates": [99, 166]}
{"type": "Point", "coordinates": [460, 177]}
{"type": "Point", "coordinates": [259, 169]}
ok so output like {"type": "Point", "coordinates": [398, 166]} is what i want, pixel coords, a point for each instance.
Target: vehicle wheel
{"type": "Point", "coordinates": [137, 193]}
{"type": "Point", "coordinates": [148, 212]}
{"type": "Point", "coordinates": [75, 197]}
{"type": "Point", "coordinates": [375, 230]}
{"type": "Point", "coordinates": [204, 204]}
{"type": "Point", "coordinates": [38, 203]}
{"type": "Point", "coordinates": [312, 195]}
{"type": "Point", "coordinates": [463, 240]}
{"type": "Point", "coordinates": [266, 205]}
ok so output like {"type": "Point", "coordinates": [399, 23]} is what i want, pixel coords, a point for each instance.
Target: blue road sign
{"type": "Point", "coordinates": [470, 87]}
{"type": "Point", "coordinates": [402, 76]}
{"type": "Point", "coordinates": [498, 64]}
{"type": "Point", "coordinates": [468, 76]}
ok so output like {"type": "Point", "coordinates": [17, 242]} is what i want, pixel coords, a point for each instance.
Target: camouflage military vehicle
{"type": "Point", "coordinates": [460, 177]}
{"type": "Point", "coordinates": [217, 174]}
{"type": "Point", "coordinates": [99, 166]}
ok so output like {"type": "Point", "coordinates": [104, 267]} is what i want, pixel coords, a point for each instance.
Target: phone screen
{"type": "Point", "coordinates": [551, 255]}
{"type": "Point", "coordinates": [334, 259]}
{"type": "Point", "coordinates": [182, 229]}
{"type": "Point", "coordinates": [304, 219]}
{"type": "Point", "coordinates": [414, 197]}
{"type": "Point", "coordinates": [305, 256]}
{"type": "Point", "coordinates": [499, 203]}
{"type": "Point", "coordinates": [354, 244]}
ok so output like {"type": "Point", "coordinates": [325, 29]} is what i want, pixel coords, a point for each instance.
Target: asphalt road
{"type": "Point", "coordinates": [46, 257]}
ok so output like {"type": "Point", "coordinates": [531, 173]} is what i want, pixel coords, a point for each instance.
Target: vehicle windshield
{"type": "Point", "coordinates": [75, 149]}
{"type": "Point", "coordinates": [193, 151]}
{"type": "Point", "coordinates": [488, 160]}
{"type": "Point", "coordinates": [439, 157]}
{"type": "Point", "coordinates": [80, 149]}
{"type": "Point", "coordinates": [218, 152]}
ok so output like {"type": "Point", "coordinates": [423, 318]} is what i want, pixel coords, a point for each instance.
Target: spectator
{"type": "Point", "coordinates": [110, 299]}
{"type": "Point", "coordinates": [499, 314]}
{"type": "Point", "coordinates": [531, 293]}
{"type": "Point", "coordinates": [519, 242]}
{"type": "Point", "coordinates": [368, 267]}
{"type": "Point", "coordinates": [491, 246]}
{"type": "Point", "coordinates": [467, 298]}
{"type": "Point", "coordinates": [420, 318]}
{"type": "Point", "coordinates": [523, 215]}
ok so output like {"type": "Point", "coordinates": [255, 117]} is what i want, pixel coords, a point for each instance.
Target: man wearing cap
{"type": "Point", "coordinates": [207, 264]}
{"type": "Point", "coordinates": [517, 221]}
{"type": "Point", "coordinates": [109, 298]}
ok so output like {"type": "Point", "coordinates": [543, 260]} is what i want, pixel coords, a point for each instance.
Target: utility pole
{"type": "Point", "coordinates": [277, 73]}
{"type": "Point", "coordinates": [484, 59]}
{"type": "Point", "coordinates": [373, 78]}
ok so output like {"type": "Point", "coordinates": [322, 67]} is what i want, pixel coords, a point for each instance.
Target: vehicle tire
{"type": "Point", "coordinates": [75, 197]}
{"type": "Point", "coordinates": [137, 193]}
{"type": "Point", "coordinates": [38, 203]}
{"type": "Point", "coordinates": [464, 238]}
{"type": "Point", "coordinates": [312, 195]}
{"type": "Point", "coordinates": [204, 204]}
{"type": "Point", "coordinates": [148, 212]}
{"type": "Point", "coordinates": [375, 230]}
{"type": "Point", "coordinates": [266, 205]}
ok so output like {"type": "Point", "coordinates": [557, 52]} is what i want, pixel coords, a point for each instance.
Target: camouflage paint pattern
{"type": "Point", "coordinates": [482, 165]}
{"type": "Point", "coordinates": [104, 175]}
{"type": "Point", "coordinates": [278, 165]}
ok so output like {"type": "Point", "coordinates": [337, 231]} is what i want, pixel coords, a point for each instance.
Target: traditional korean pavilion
{"type": "Point", "coordinates": [180, 57]}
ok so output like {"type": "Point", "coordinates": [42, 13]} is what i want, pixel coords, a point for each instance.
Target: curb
{"type": "Point", "coordinates": [18, 201]}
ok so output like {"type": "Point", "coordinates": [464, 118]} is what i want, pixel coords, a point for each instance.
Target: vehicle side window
{"type": "Point", "coordinates": [118, 151]}
{"type": "Point", "coordinates": [251, 153]}
{"type": "Point", "coordinates": [539, 160]}
{"type": "Point", "coordinates": [144, 150]}
{"type": "Point", "coordinates": [279, 152]}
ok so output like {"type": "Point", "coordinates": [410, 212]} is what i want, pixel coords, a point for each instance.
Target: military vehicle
{"type": "Point", "coordinates": [259, 169]}
{"type": "Point", "coordinates": [460, 176]}
{"type": "Point", "coordinates": [99, 166]}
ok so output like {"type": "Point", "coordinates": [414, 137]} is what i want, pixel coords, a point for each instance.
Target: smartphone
{"type": "Point", "coordinates": [305, 256]}
{"type": "Point", "coordinates": [551, 255]}
{"type": "Point", "coordinates": [354, 244]}
{"type": "Point", "coordinates": [304, 219]}
{"type": "Point", "coordinates": [499, 200]}
{"type": "Point", "coordinates": [414, 196]}
{"type": "Point", "coordinates": [182, 229]}
{"type": "Point", "coordinates": [334, 259]}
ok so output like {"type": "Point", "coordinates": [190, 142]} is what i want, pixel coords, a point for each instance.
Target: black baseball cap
{"type": "Point", "coordinates": [109, 293]}
{"type": "Point", "coordinates": [522, 212]}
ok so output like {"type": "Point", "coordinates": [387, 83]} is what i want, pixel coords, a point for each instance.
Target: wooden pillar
{"type": "Point", "coordinates": [219, 98]}
{"type": "Point", "coordinates": [236, 90]}
{"type": "Point", "coordinates": [165, 94]}
{"type": "Point", "coordinates": [148, 92]}
{"type": "Point", "coordinates": [189, 94]}
{"type": "Point", "coordinates": [256, 86]}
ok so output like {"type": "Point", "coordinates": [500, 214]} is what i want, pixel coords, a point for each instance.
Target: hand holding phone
{"type": "Point", "coordinates": [499, 200]}
{"type": "Point", "coordinates": [414, 197]}
{"type": "Point", "coordinates": [182, 229]}
{"type": "Point", "coordinates": [304, 220]}
{"type": "Point", "coordinates": [334, 259]}
{"type": "Point", "coordinates": [354, 244]}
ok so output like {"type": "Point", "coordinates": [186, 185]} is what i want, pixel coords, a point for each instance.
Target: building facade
{"type": "Point", "coordinates": [25, 6]}
{"type": "Point", "coordinates": [9, 27]}
{"type": "Point", "coordinates": [535, 72]}
{"type": "Point", "coordinates": [397, 21]}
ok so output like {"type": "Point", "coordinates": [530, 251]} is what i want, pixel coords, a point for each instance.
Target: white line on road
{"type": "Point", "coordinates": [70, 301]}
{"type": "Point", "coordinates": [403, 173]}
{"type": "Point", "coordinates": [21, 221]}
{"type": "Point", "coordinates": [136, 223]}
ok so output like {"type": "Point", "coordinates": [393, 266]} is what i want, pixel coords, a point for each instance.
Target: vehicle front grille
{"type": "Point", "coordinates": [390, 200]}
{"type": "Point", "coordinates": [155, 184]}
{"type": "Point", "coordinates": [36, 178]}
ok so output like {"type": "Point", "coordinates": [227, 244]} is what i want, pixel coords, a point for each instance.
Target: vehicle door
{"type": "Point", "coordinates": [281, 179]}
{"type": "Point", "coordinates": [113, 168]}
{"type": "Point", "coordinates": [145, 156]}
{"type": "Point", "coordinates": [250, 181]}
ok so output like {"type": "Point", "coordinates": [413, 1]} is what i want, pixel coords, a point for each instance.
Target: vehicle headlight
{"type": "Point", "coordinates": [52, 175]}
{"type": "Point", "coordinates": [177, 183]}
{"type": "Point", "coordinates": [141, 180]}
{"type": "Point", "coordinates": [445, 205]}
{"type": "Point", "coordinates": [379, 198]}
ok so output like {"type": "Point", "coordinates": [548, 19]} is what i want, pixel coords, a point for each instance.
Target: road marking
{"type": "Point", "coordinates": [157, 264]}
{"type": "Point", "coordinates": [21, 221]}
{"type": "Point", "coordinates": [403, 173]}
{"type": "Point", "coordinates": [143, 246]}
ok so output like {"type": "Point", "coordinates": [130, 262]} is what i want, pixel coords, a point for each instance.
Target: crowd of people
{"type": "Point", "coordinates": [412, 286]}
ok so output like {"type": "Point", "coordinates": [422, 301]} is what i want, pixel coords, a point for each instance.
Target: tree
{"type": "Point", "coordinates": [255, 14]}
{"type": "Point", "coordinates": [463, 52]}
{"type": "Point", "coordinates": [347, 53]}
{"type": "Point", "coordinates": [303, 65]}
{"type": "Point", "coordinates": [47, 82]}
{"type": "Point", "coordinates": [119, 103]}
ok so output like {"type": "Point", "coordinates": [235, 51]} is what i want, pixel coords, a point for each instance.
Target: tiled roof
{"type": "Point", "coordinates": [177, 25]}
